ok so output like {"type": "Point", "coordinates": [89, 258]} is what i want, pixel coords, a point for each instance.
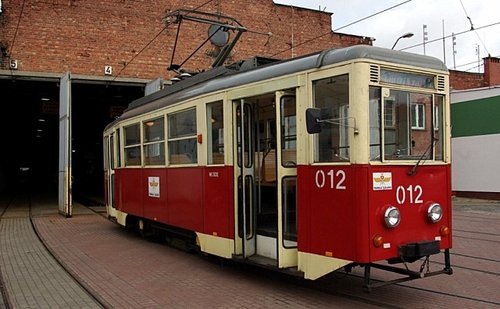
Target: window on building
{"type": "Point", "coordinates": [418, 116]}
{"type": "Point", "coordinates": [182, 141]}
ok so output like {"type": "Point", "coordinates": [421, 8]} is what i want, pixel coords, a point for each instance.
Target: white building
{"type": "Point", "coordinates": [475, 117]}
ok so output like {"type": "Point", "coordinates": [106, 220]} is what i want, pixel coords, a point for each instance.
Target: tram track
{"type": "Point", "coordinates": [427, 290]}
{"type": "Point", "coordinates": [3, 292]}
{"type": "Point", "coordinates": [475, 232]}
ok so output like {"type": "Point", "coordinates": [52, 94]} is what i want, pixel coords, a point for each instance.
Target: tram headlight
{"type": "Point", "coordinates": [434, 212]}
{"type": "Point", "coordinates": [392, 217]}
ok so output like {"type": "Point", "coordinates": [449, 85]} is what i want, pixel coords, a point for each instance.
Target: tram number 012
{"type": "Point", "coordinates": [411, 193]}
{"type": "Point", "coordinates": [330, 179]}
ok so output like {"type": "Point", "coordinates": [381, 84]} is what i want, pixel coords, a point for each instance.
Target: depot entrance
{"type": "Point", "coordinates": [30, 129]}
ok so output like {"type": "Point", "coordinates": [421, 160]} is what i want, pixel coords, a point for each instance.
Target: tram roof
{"type": "Point", "coordinates": [246, 72]}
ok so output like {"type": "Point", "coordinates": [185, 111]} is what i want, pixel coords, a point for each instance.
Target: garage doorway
{"type": "Point", "coordinates": [29, 129]}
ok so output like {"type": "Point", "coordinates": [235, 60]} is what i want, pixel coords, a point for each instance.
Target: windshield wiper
{"type": "Point", "coordinates": [413, 170]}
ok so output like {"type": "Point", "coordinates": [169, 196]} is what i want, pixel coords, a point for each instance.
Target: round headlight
{"type": "Point", "coordinates": [434, 212]}
{"type": "Point", "coordinates": [392, 217]}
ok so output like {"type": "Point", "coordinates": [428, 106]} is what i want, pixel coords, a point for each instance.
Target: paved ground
{"type": "Point", "coordinates": [121, 269]}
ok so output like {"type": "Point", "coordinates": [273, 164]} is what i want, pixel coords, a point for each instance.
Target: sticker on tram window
{"type": "Point", "coordinates": [154, 186]}
{"type": "Point", "coordinates": [382, 181]}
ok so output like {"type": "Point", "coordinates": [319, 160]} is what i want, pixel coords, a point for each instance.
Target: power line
{"type": "Point", "coordinates": [17, 28]}
{"type": "Point", "coordinates": [329, 32]}
{"type": "Point", "coordinates": [448, 36]}
{"type": "Point", "coordinates": [370, 16]}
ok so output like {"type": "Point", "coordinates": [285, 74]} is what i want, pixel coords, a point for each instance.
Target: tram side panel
{"type": "Point", "coordinates": [328, 221]}
{"type": "Point", "coordinates": [194, 198]}
{"type": "Point", "coordinates": [154, 190]}
{"type": "Point", "coordinates": [218, 198]}
{"type": "Point", "coordinates": [129, 191]}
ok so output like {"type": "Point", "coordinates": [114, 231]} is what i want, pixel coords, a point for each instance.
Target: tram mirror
{"type": "Point", "coordinates": [313, 117]}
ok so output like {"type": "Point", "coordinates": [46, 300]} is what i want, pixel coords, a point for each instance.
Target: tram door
{"type": "Point", "coordinates": [265, 178]}
{"type": "Point", "coordinates": [286, 171]}
{"type": "Point", "coordinates": [110, 150]}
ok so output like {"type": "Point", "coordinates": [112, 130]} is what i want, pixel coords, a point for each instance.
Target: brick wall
{"type": "Point", "coordinates": [492, 71]}
{"type": "Point", "coordinates": [464, 80]}
{"type": "Point", "coordinates": [83, 36]}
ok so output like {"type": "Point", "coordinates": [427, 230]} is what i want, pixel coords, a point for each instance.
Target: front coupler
{"type": "Point", "coordinates": [409, 274]}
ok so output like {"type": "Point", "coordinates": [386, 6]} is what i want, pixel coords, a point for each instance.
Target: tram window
{"type": "Point", "coordinates": [331, 95]}
{"type": "Point", "coordinates": [154, 145]}
{"type": "Point", "coordinates": [118, 149]}
{"type": "Point", "coordinates": [182, 142]}
{"type": "Point", "coordinates": [375, 118]}
{"type": "Point", "coordinates": [288, 132]}
{"type": "Point", "coordinates": [438, 127]}
{"type": "Point", "coordinates": [411, 135]}
{"type": "Point", "coordinates": [132, 145]}
{"type": "Point", "coordinates": [215, 132]}
{"type": "Point", "coordinates": [289, 197]}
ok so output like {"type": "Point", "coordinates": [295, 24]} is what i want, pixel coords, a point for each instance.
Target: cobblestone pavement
{"type": "Point", "coordinates": [125, 270]}
{"type": "Point", "coordinates": [32, 278]}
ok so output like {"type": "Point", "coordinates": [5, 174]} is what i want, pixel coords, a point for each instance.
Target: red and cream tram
{"type": "Point", "coordinates": [331, 160]}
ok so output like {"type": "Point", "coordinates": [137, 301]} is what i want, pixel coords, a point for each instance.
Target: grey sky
{"type": "Point", "coordinates": [411, 16]}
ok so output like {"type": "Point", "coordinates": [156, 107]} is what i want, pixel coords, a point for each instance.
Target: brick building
{"type": "Point", "coordinates": [112, 49]}
{"type": "Point", "coordinates": [85, 36]}
{"type": "Point", "coordinates": [465, 80]}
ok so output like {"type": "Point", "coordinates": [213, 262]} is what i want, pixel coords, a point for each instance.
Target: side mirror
{"type": "Point", "coordinates": [313, 117]}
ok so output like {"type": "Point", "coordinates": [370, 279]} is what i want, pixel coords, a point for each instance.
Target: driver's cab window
{"type": "Point", "coordinates": [331, 95]}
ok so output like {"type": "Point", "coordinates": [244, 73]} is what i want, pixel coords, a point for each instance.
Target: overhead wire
{"type": "Point", "coordinates": [448, 36]}
{"type": "Point", "coordinates": [472, 27]}
{"type": "Point", "coordinates": [151, 41]}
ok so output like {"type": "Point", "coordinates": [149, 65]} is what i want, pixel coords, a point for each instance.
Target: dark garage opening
{"type": "Point", "coordinates": [29, 124]}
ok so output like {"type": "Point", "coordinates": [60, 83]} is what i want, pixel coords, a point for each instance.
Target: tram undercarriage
{"type": "Point", "coordinates": [424, 271]}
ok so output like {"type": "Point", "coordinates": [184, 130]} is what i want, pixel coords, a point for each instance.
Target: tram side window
{"type": "Point", "coordinates": [182, 142]}
{"type": "Point", "coordinates": [118, 149]}
{"type": "Point", "coordinates": [331, 95]}
{"type": "Point", "coordinates": [132, 145]}
{"type": "Point", "coordinates": [154, 145]}
{"type": "Point", "coordinates": [215, 132]}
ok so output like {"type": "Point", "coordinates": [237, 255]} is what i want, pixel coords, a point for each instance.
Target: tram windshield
{"type": "Point", "coordinates": [405, 125]}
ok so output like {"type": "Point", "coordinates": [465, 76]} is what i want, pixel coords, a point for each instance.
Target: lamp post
{"type": "Point", "coordinates": [404, 36]}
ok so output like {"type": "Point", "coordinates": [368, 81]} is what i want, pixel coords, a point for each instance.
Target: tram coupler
{"type": "Point", "coordinates": [409, 274]}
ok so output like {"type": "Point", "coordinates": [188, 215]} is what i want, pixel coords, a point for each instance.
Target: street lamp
{"type": "Point", "coordinates": [404, 36]}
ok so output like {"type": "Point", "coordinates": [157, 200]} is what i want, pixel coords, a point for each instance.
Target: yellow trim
{"type": "Point", "coordinates": [121, 217]}
{"type": "Point", "coordinates": [315, 266]}
{"type": "Point", "coordinates": [219, 246]}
